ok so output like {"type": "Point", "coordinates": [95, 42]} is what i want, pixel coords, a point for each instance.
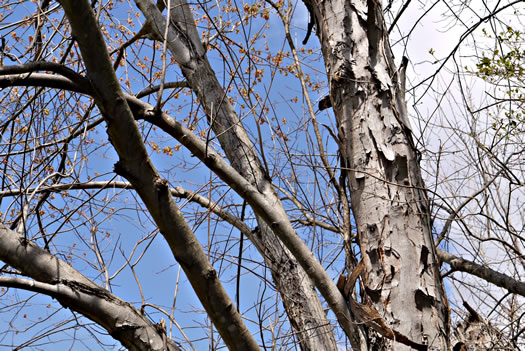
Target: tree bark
{"type": "Point", "coordinates": [135, 165]}
{"type": "Point", "coordinates": [300, 299]}
{"type": "Point", "coordinates": [401, 278]}
{"type": "Point", "coordinates": [497, 278]}
{"type": "Point", "coordinates": [56, 278]}
{"type": "Point", "coordinates": [401, 292]}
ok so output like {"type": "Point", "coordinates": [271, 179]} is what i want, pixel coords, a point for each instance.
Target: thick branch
{"type": "Point", "coordinates": [274, 218]}
{"type": "Point", "coordinates": [45, 66]}
{"type": "Point", "coordinates": [41, 79]}
{"type": "Point", "coordinates": [305, 309]}
{"type": "Point", "coordinates": [281, 226]}
{"type": "Point", "coordinates": [135, 164]}
{"type": "Point", "coordinates": [59, 280]}
{"type": "Point", "coordinates": [490, 275]}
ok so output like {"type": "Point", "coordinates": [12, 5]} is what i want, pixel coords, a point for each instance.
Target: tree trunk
{"type": "Point", "coordinates": [401, 277]}
{"type": "Point", "coordinates": [300, 299]}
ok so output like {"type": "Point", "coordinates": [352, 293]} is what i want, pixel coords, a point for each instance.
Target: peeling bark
{"type": "Point", "coordinates": [402, 294]}
{"type": "Point", "coordinates": [401, 278]}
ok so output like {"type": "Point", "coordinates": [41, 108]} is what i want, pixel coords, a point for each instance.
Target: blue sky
{"type": "Point", "coordinates": [157, 269]}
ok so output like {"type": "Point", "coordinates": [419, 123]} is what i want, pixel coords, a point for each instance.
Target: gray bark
{"type": "Point", "coordinates": [269, 213]}
{"type": "Point", "coordinates": [73, 290]}
{"type": "Point", "coordinates": [280, 225]}
{"type": "Point", "coordinates": [499, 279]}
{"type": "Point", "coordinates": [403, 294]}
{"type": "Point", "coordinates": [303, 306]}
{"type": "Point", "coordinates": [135, 165]}
{"type": "Point", "coordinates": [401, 276]}
{"type": "Point", "coordinates": [139, 108]}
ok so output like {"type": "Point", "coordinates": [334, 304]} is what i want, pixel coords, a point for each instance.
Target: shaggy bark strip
{"type": "Point", "coordinates": [135, 165]}
{"type": "Point", "coordinates": [401, 268]}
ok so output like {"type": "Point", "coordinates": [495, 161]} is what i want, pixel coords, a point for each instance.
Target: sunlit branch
{"type": "Point", "coordinates": [483, 272]}
{"type": "Point", "coordinates": [59, 280]}
{"type": "Point", "coordinates": [169, 85]}
{"type": "Point", "coordinates": [44, 66]}
{"type": "Point", "coordinates": [42, 80]}
{"type": "Point", "coordinates": [251, 194]}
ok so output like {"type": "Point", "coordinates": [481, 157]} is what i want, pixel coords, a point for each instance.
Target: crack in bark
{"type": "Point", "coordinates": [367, 314]}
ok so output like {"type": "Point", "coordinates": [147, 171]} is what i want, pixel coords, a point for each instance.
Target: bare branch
{"type": "Point", "coordinates": [490, 275]}
{"type": "Point", "coordinates": [135, 164]}
{"type": "Point", "coordinates": [59, 280]}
